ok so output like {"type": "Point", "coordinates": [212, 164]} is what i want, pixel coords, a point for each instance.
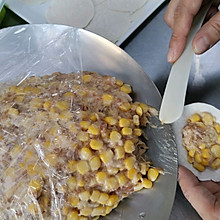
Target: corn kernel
{"type": "Point", "coordinates": [217, 127]}
{"type": "Point", "coordinates": [113, 170]}
{"type": "Point", "coordinates": [65, 210]}
{"type": "Point", "coordinates": [93, 117]}
{"type": "Point", "coordinates": [108, 209]}
{"type": "Point", "coordinates": [62, 105]}
{"type": "Point", "coordinates": [106, 156]}
{"type": "Point", "coordinates": [51, 159]}
{"type": "Point", "coordinates": [86, 211]}
{"type": "Point", "coordinates": [32, 169]}
{"type": "Point", "coordinates": [72, 215]}
{"type": "Point", "coordinates": [19, 99]}
{"type": "Point", "coordinates": [72, 166]}
{"type": "Point", "coordinates": [144, 168]}
{"type": "Point", "coordinates": [194, 118]}
{"type": "Point", "coordinates": [205, 162]}
{"type": "Point", "coordinates": [198, 166]}
{"type": "Point", "coordinates": [129, 146]}
{"type": "Point", "coordinates": [132, 173]}
{"type": "Point", "coordinates": [101, 177]}
{"type": "Point", "coordinates": [121, 179]}
{"type": "Point", "coordinates": [95, 196]}
{"type": "Point", "coordinates": [27, 89]}
{"type": "Point", "coordinates": [138, 187]}
{"type": "Point", "coordinates": [19, 90]}
{"type": "Point", "coordinates": [113, 199]}
{"type": "Point", "coordinates": [206, 153]}
{"type": "Point", "coordinates": [82, 167]}
{"type": "Point", "coordinates": [72, 127]}
{"type": "Point", "coordinates": [139, 111]}
{"type": "Point", "coordinates": [84, 196]}
{"type": "Point", "coordinates": [36, 103]}
{"type": "Point", "coordinates": [107, 99]}
{"type": "Point", "coordinates": [68, 95]}
{"type": "Point", "coordinates": [207, 118]}
{"type": "Point", "coordinates": [147, 183]}
{"type": "Point", "coordinates": [126, 106]}
{"type": "Point", "coordinates": [13, 112]}
{"type": "Point", "coordinates": [137, 132]}
{"type": "Point", "coordinates": [84, 115]}
{"type": "Point", "coordinates": [93, 129]}
{"type": "Point", "coordinates": [47, 144]}
{"type": "Point", "coordinates": [32, 208]}
{"type": "Point", "coordinates": [144, 107]}
{"type": "Point", "coordinates": [124, 122]}
{"type": "Point", "coordinates": [215, 149]}
{"type": "Point", "coordinates": [126, 131]}
{"type": "Point", "coordinates": [85, 153]}
{"type": "Point", "coordinates": [190, 159]}
{"type": "Point", "coordinates": [202, 146]}
{"type": "Point", "coordinates": [74, 201]}
{"type": "Point", "coordinates": [216, 163]}
{"type": "Point", "coordinates": [35, 185]}
{"type": "Point", "coordinates": [198, 157]}
{"type": "Point", "coordinates": [129, 163]}
{"type": "Point", "coordinates": [96, 144]}
{"type": "Point", "coordinates": [80, 183]}
{"type": "Point", "coordinates": [66, 115]}
{"type": "Point", "coordinates": [136, 120]}
{"type": "Point", "coordinates": [192, 152]}
{"type": "Point", "coordinates": [87, 78]}
{"type": "Point", "coordinates": [100, 210]}
{"type": "Point", "coordinates": [36, 90]}
{"type": "Point", "coordinates": [111, 183]}
{"type": "Point", "coordinates": [126, 88]}
{"type": "Point", "coordinates": [84, 124]}
{"type": "Point", "coordinates": [71, 183]}
{"type": "Point", "coordinates": [219, 138]}
{"type": "Point", "coordinates": [152, 174]}
{"type": "Point", "coordinates": [83, 136]}
{"type": "Point", "coordinates": [115, 136]}
{"type": "Point", "coordinates": [103, 198]}
{"type": "Point", "coordinates": [118, 82]}
{"type": "Point", "coordinates": [95, 163]}
{"type": "Point", "coordinates": [47, 105]}
{"type": "Point", "coordinates": [111, 121]}
{"type": "Point", "coordinates": [119, 153]}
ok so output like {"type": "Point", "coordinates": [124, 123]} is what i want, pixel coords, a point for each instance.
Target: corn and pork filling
{"type": "Point", "coordinates": [201, 138]}
{"type": "Point", "coordinates": [70, 147]}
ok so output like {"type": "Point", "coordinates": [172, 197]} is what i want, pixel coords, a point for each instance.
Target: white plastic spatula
{"type": "Point", "coordinates": [174, 96]}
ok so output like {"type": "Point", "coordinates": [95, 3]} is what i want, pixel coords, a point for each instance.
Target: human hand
{"type": "Point", "coordinates": [203, 196]}
{"type": "Point", "coordinates": [179, 17]}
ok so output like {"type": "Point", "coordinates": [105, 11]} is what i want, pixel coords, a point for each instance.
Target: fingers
{"type": "Point", "coordinates": [208, 35]}
{"type": "Point", "coordinates": [211, 186]}
{"type": "Point", "coordinates": [200, 197]}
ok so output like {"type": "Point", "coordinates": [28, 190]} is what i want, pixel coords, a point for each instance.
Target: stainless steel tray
{"type": "Point", "coordinates": [43, 49]}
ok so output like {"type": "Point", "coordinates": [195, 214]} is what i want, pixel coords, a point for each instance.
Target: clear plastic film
{"type": "Point", "coordinates": [37, 165]}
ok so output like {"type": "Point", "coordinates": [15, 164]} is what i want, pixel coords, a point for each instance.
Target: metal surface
{"type": "Point", "coordinates": [43, 49]}
{"type": "Point", "coordinates": [149, 46]}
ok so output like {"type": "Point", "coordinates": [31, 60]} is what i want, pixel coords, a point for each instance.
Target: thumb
{"type": "Point", "coordinates": [208, 35]}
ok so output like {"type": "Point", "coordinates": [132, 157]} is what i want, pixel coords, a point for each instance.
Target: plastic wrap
{"type": "Point", "coordinates": [39, 50]}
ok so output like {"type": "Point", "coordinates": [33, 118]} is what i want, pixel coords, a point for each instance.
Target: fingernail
{"type": "Point", "coordinates": [201, 45]}
{"type": "Point", "coordinates": [170, 55]}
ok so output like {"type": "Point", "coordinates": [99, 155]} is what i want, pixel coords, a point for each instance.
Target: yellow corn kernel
{"type": "Point", "coordinates": [19, 90]}
{"type": "Point", "coordinates": [139, 111]}
{"type": "Point", "coordinates": [83, 136]}
{"type": "Point", "coordinates": [93, 117]}
{"type": "Point", "coordinates": [111, 183]}
{"type": "Point", "coordinates": [84, 124]}
{"type": "Point", "coordinates": [84, 115]}
{"type": "Point", "coordinates": [19, 99]}
{"type": "Point", "coordinates": [65, 210]}
{"type": "Point", "coordinates": [106, 156]}
{"type": "Point", "coordinates": [85, 153]}
{"type": "Point", "coordinates": [138, 187]}
{"type": "Point", "coordinates": [217, 127]}
{"type": "Point", "coordinates": [126, 106]}
{"type": "Point", "coordinates": [95, 196]}
{"type": "Point", "coordinates": [198, 157]}
{"type": "Point", "coordinates": [198, 166]}
{"type": "Point", "coordinates": [68, 95]}
{"type": "Point", "coordinates": [152, 174]}
{"type": "Point", "coordinates": [192, 152]}
{"type": "Point", "coordinates": [27, 89]}
{"type": "Point", "coordinates": [144, 107]}
{"type": "Point", "coordinates": [113, 199]}
{"type": "Point", "coordinates": [137, 132]}
{"type": "Point", "coordinates": [101, 177]}
{"type": "Point", "coordinates": [13, 88]}
{"type": "Point", "coordinates": [35, 184]}
{"type": "Point", "coordinates": [205, 162]}
{"type": "Point", "coordinates": [126, 88]}
{"type": "Point", "coordinates": [93, 129]}
{"type": "Point", "coordinates": [144, 168]}
{"type": "Point", "coordinates": [66, 115]}
{"type": "Point", "coordinates": [73, 215]}
{"type": "Point", "coordinates": [47, 144]}
{"type": "Point", "coordinates": [62, 105]}
{"type": "Point", "coordinates": [82, 167]}
{"type": "Point", "coordinates": [96, 144]}
{"type": "Point", "coordinates": [51, 159]}
{"type": "Point", "coordinates": [202, 146]}
{"type": "Point", "coordinates": [147, 183]}
{"type": "Point", "coordinates": [132, 174]}
{"type": "Point", "coordinates": [72, 127]}
{"type": "Point", "coordinates": [206, 153]}
{"type": "Point", "coordinates": [87, 78]}
{"type": "Point", "coordinates": [110, 120]}
{"type": "Point", "coordinates": [47, 105]}
{"type": "Point", "coordinates": [36, 90]}
{"type": "Point", "coordinates": [80, 183]}
{"type": "Point", "coordinates": [74, 201]}
{"type": "Point", "coordinates": [190, 159]}
{"type": "Point", "coordinates": [61, 189]}
{"type": "Point", "coordinates": [107, 99]}
{"type": "Point", "coordinates": [136, 120]}
{"type": "Point", "coordinates": [118, 82]}
{"type": "Point", "coordinates": [32, 208]}
{"type": "Point", "coordinates": [129, 146]}
{"type": "Point", "coordinates": [108, 209]}
{"type": "Point", "coordinates": [219, 138]}
{"type": "Point", "coordinates": [22, 165]}
{"type": "Point", "coordinates": [85, 195]}
{"type": "Point", "coordinates": [129, 163]}
{"type": "Point", "coordinates": [71, 183]}
{"type": "Point", "coordinates": [100, 210]}
{"type": "Point", "coordinates": [72, 166]}
{"type": "Point", "coordinates": [95, 163]}
{"type": "Point", "coordinates": [122, 180]}
{"type": "Point", "coordinates": [215, 149]}
{"type": "Point", "coordinates": [115, 136]}
{"type": "Point", "coordinates": [119, 153]}
{"type": "Point", "coordinates": [194, 118]}
{"type": "Point", "coordinates": [207, 118]}
{"type": "Point", "coordinates": [86, 211]}
{"type": "Point", "coordinates": [103, 198]}
{"type": "Point", "coordinates": [216, 163]}
{"type": "Point", "coordinates": [36, 103]}
{"type": "Point", "coordinates": [13, 112]}
{"type": "Point", "coordinates": [32, 169]}
{"type": "Point", "coordinates": [126, 131]}
{"type": "Point", "coordinates": [124, 122]}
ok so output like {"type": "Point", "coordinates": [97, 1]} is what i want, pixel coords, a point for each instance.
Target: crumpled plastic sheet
{"type": "Point", "coordinates": [37, 50]}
